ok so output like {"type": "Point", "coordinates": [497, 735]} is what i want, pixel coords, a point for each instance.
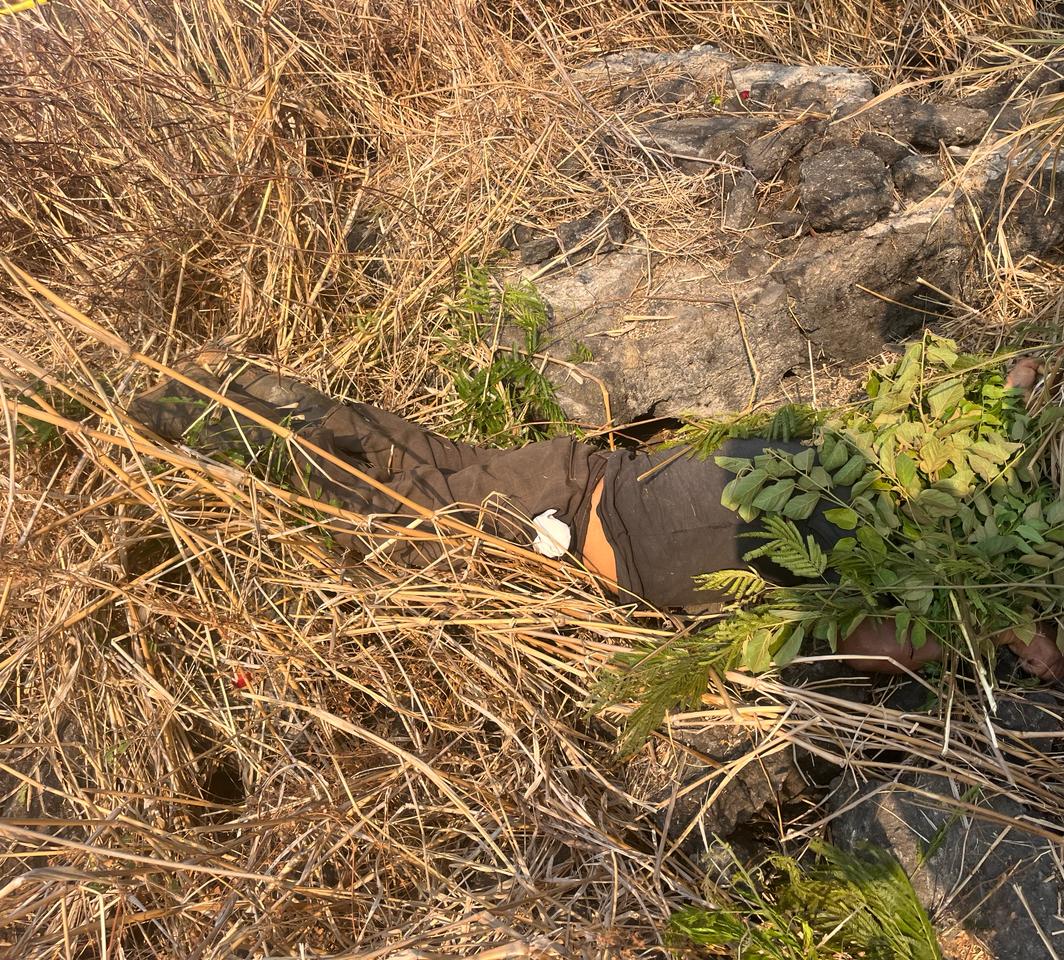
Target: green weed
{"type": "Point", "coordinates": [840, 905]}
{"type": "Point", "coordinates": [945, 527]}
{"type": "Point", "coordinates": [505, 400]}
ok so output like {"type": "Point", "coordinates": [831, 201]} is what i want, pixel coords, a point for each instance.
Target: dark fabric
{"type": "Point", "coordinates": [665, 529]}
{"type": "Point", "coordinates": [668, 528]}
{"type": "Point", "coordinates": [500, 490]}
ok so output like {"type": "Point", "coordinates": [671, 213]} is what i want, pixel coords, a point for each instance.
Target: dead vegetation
{"type": "Point", "coordinates": [216, 740]}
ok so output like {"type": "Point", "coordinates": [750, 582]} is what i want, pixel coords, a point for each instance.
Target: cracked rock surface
{"type": "Point", "coordinates": [996, 881]}
{"type": "Point", "coordinates": [833, 234]}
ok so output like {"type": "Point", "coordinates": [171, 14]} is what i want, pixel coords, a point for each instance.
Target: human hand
{"type": "Point", "coordinates": [1023, 375]}
{"type": "Point", "coordinates": [1040, 657]}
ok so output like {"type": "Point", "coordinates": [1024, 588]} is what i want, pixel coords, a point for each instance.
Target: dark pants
{"type": "Point", "coordinates": [499, 491]}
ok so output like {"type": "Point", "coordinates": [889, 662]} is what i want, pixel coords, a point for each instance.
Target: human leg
{"type": "Point", "coordinates": [381, 440]}
{"type": "Point", "coordinates": [500, 491]}
{"type": "Point", "coordinates": [874, 648]}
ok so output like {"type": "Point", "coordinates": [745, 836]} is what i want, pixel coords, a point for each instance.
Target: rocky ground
{"type": "Point", "coordinates": [217, 742]}
{"type": "Point", "coordinates": [844, 221]}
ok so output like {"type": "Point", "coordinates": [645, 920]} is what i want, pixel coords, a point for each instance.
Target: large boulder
{"type": "Point", "coordinates": [985, 875]}
{"type": "Point", "coordinates": [833, 236]}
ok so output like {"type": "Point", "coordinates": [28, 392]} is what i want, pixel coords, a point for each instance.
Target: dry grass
{"type": "Point", "coordinates": [215, 742]}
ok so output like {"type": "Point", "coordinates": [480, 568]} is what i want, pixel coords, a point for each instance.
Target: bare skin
{"type": "Point", "coordinates": [873, 647]}
{"type": "Point", "coordinates": [598, 555]}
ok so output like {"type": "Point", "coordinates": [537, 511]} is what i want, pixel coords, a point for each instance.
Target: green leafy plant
{"type": "Point", "coordinates": [580, 353]}
{"type": "Point", "coordinates": [842, 904]}
{"type": "Point", "coordinates": [38, 435]}
{"type": "Point", "coordinates": [504, 399]}
{"type": "Point", "coordinates": [704, 435]}
{"type": "Point", "coordinates": [923, 504]}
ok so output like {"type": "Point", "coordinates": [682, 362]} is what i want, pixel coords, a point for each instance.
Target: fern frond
{"type": "Point", "coordinates": [793, 421]}
{"type": "Point", "coordinates": [673, 674]}
{"type": "Point", "coordinates": [785, 546]}
{"type": "Point", "coordinates": [742, 586]}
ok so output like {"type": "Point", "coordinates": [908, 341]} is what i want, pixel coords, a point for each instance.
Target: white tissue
{"type": "Point", "coordinates": [553, 537]}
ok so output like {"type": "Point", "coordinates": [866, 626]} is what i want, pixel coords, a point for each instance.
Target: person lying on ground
{"type": "Point", "coordinates": [649, 523]}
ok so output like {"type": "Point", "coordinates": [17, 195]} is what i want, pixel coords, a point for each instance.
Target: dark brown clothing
{"type": "Point", "coordinates": [670, 526]}
{"type": "Point", "coordinates": [665, 529]}
{"type": "Point", "coordinates": [501, 490]}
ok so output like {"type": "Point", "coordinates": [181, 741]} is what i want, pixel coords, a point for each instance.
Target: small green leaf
{"type": "Point", "coordinates": [774, 497]}
{"type": "Point", "coordinates": [821, 478]}
{"type": "Point", "coordinates": [901, 625]}
{"type": "Point", "coordinates": [790, 647]}
{"type": "Point", "coordinates": [865, 483]}
{"type": "Point", "coordinates": [983, 467]}
{"type": "Point", "coordinates": [873, 543]}
{"type": "Point", "coordinates": [843, 517]}
{"type": "Point", "coordinates": [733, 464]}
{"type": "Point", "coordinates": [944, 397]}
{"type": "Point", "coordinates": [1029, 532]}
{"type": "Point", "coordinates": [757, 653]}
{"type": "Point", "coordinates": [886, 511]}
{"type": "Point", "coordinates": [775, 467]}
{"type": "Point", "coordinates": [742, 490]}
{"type": "Point", "coordinates": [935, 504]}
{"type": "Point", "coordinates": [942, 352]}
{"type": "Point", "coordinates": [834, 453]}
{"type": "Point", "coordinates": [802, 506]}
{"type": "Point", "coordinates": [850, 471]}
{"type": "Point", "coordinates": [934, 455]}
{"type": "Point", "coordinates": [959, 485]}
{"type": "Point", "coordinates": [994, 448]}
{"type": "Point", "coordinates": [1055, 512]}
{"type": "Point", "coordinates": [906, 474]}
{"type": "Point", "coordinates": [1034, 511]}
{"type": "Point", "coordinates": [804, 461]}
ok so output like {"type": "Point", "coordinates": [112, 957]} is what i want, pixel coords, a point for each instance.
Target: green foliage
{"type": "Point", "coordinates": [46, 438]}
{"type": "Point", "coordinates": [785, 544]}
{"type": "Point", "coordinates": [703, 436]}
{"type": "Point", "coordinates": [506, 400]}
{"type": "Point", "coordinates": [580, 353]}
{"type": "Point", "coordinates": [677, 672]}
{"type": "Point", "coordinates": [860, 905]}
{"type": "Point", "coordinates": [943, 525]}
{"type": "Point", "coordinates": [954, 534]}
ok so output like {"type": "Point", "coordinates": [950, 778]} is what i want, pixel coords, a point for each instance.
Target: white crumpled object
{"type": "Point", "coordinates": [553, 537]}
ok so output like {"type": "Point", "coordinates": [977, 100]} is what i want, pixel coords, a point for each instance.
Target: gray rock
{"type": "Point", "coordinates": [965, 870]}
{"type": "Point", "coordinates": [927, 124]}
{"type": "Point", "coordinates": [809, 96]}
{"type": "Point", "coordinates": [917, 177]}
{"type": "Point", "coordinates": [886, 147]}
{"type": "Point", "coordinates": [845, 189]}
{"type": "Point", "coordinates": [665, 92]}
{"type": "Point", "coordinates": [714, 332]}
{"type": "Point", "coordinates": [765, 156]}
{"type": "Point", "coordinates": [830, 86]}
{"type": "Point", "coordinates": [593, 233]}
{"type": "Point", "coordinates": [740, 208]}
{"type": "Point", "coordinates": [668, 338]}
{"type": "Point", "coordinates": [635, 74]}
{"type": "Point", "coordinates": [696, 143]}
{"type": "Point", "coordinates": [698, 796]}
{"type": "Point", "coordinates": [787, 223]}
